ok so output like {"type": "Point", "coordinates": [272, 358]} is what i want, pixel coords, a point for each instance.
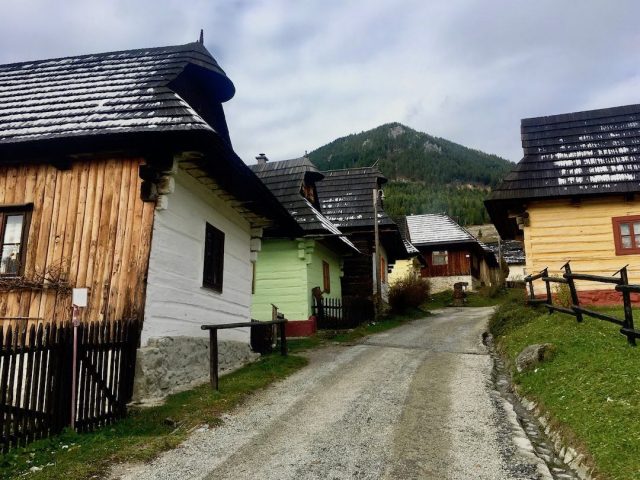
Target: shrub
{"type": "Point", "coordinates": [563, 295]}
{"type": "Point", "coordinates": [409, 292]}
{"type": "Point", "coordinates": [510, 314]}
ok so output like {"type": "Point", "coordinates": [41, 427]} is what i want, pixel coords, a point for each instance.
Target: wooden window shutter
{"type": "Point", "coordinates": [213, 258]}
{"type": "Point", "coordinates": [326, 278]}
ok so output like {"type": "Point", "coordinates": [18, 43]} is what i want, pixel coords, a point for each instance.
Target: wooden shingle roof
{"type": "Point", "coordinates": [590, 153]}
{"type": "Point", "coordinates": [91, 95]}
{"type": "Point", "coordinates": [436, 229]}
{"type": "Point", "coordinates": [285, 179]}
{"type": "Point", "coordinates": [346, 197]}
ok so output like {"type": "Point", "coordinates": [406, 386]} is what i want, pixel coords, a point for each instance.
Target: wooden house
{"type": "Point", "coordinates": [572, 197]}
{"type": "Point", "coordinates": [450, 254]}
{"type": "Point", "coordinates": [117, 174]}
{"type": "Point", "coordinates": [288, 269]}
{"type": "Point", "coordinates": [346, 198]}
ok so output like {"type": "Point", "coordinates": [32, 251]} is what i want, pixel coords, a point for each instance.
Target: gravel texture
{"type": "Point", "coordinates": [414, 402]}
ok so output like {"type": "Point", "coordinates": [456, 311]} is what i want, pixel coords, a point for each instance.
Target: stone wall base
{"type": "Point", "coordinates": [440, 284]}
{"type": "Point", "coordinates": [599, 297]}
{"type": "Point", "coordinates": [172, 364]}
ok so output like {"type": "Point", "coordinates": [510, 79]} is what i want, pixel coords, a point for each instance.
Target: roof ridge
{"type": "Point", "coordinates": [87, 55]}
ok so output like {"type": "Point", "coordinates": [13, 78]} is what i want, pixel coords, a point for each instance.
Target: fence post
{"type": "Point", "coordinates": [628, 312]}
{"type": "Point", "coordinates": [547, 284]}
{"type": "Point", "coordinates": [572, 288]}
{"type": "Point", "coordinates": [531, 292]}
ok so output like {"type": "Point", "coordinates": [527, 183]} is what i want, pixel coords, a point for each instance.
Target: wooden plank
{"type": "Point", "coordinates": [93, 308]}
{"type": "Point", "coordinates": [42, 360]}
{"type": "Point", "coordinates": [85, 253]}
{"type": "Point", "coordinates": [28, 419]}
{"type": "Point", "coordinates": [17, 420]}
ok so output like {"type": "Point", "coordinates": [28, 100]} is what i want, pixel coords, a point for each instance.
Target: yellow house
{"type": "Point", "coordinates": [574, 196]}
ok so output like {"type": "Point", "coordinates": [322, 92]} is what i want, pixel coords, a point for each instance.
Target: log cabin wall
{"type": "Point", "coordinates": [458, 263]}
{"type": "Point", "coordinates": [88, 224]}
{"type": "Point", "coordinates": [357, 280]}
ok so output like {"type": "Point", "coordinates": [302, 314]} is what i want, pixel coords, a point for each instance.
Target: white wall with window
{"type": "Point", "coordinates": [199, 268]}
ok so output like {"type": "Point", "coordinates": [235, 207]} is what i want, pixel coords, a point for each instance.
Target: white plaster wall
{"type": "Point", "coordinates": [516, 272]}
{"type": "Point", "coordinates": [440, 284]}
{"type": "Point", "coordinates": [177, 303]}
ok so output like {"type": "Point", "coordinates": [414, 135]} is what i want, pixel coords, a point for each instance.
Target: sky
{"type": "Point", "coordinates": [308, 72]}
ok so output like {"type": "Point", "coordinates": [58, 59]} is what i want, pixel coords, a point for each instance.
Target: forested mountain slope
{"type": "Point", "coordinates": [426, 174]}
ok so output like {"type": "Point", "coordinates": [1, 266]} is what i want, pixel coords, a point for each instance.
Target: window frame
{"type": "Point", "coordinates": [8, 210]}
{"type": "Point", "coordinates": [617, 235]}
{"type": "Point", "coordinates": [326, 277]}
{"type": "Point", "coordinates": [440, 253]}
{"type": "Point", "coordinates": [213, 275]}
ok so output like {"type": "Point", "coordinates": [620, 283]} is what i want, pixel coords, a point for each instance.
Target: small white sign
{"type": "Point", "coordinates": [79, 298]}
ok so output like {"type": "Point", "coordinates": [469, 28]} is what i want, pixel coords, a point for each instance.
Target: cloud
{"type": "Point", "coordinates": [308, 72]}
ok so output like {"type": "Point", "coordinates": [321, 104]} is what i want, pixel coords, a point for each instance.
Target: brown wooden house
{"type": "Point", "coordinates": [346, 198]}
{"type": "Point", "coordinates": [450, 253]}
{"type": "Point", "coordinates": [117, 174]}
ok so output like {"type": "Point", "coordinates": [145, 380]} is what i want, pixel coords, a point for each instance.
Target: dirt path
{"type": "Point", "coordinates": [414, 402]}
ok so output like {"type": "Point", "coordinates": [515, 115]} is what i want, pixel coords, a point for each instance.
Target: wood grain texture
{"type": "Point", "coordinates": [582, 233]}
{"type": "Point", "coordinates": [89, 222]}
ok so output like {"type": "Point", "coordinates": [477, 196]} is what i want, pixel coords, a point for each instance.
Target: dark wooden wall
{"type": "Point", "coordinates": [458, 264]}
{"type": "Point", "coordinates": [89, 222]}
{"type": "Point", "coordinates": [357, 280]}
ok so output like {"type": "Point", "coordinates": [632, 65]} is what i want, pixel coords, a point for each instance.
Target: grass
{"type": "Point", "coordinates": [482, 298]}
{"type": "Point", "coordinates": [591, 388]}
{"type": "Point", "coordinates": [145, 432]}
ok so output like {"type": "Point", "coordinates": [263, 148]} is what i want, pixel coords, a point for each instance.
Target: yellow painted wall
{"type": "Point", "coordinates": [402, 268]}
{"type": "Point", "coordinates": [559, 231]}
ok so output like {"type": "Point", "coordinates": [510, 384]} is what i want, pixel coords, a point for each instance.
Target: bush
{"type": "Point", "coordinates": [409, 292]}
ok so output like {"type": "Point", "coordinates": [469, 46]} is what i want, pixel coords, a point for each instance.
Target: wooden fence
{"type": "Point", "coordinates": [334, 313]}
{"type": "Point", "coordinates": [36, 372]}
{"type": "Point", "coordinates": [621, 281]}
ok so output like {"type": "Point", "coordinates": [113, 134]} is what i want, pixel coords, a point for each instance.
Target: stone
{"type": "Point", "coordinates": [534, 355]}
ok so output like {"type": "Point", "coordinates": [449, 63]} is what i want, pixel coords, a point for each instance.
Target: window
{"type": "Point", "coordinates": [213, 258]}
{"type": "Point", "coordinates": [383, 270]}
{"type": "Point", "coordinates": [326, 279]}
{"type": "Point", "coordinates": [626, 234]}
{"type": "Point", "coordinates": [439, 257]}
{"type": "Point", "coordinates": [14, 223]}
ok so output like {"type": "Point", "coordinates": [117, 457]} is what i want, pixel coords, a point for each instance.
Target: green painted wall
{"type": "Point", "coordinates": [281, 279]}
{"type": "Point", "coordinates": [314, 272]}
{"type": "Point", "coordinates": [286, 271]}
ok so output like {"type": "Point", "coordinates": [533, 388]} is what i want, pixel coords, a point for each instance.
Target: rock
{"type": "Point", "coordinates": [533, 355]}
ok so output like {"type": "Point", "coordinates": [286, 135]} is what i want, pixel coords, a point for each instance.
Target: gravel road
{"type": "Point", "coordinates": [414, 402]}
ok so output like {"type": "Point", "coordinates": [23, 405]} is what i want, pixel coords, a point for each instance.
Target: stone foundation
{"type": "Point", "coordinates": [172, 364]}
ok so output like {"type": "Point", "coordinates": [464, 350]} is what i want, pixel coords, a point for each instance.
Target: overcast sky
{"type": "Point", "coordinates": [308, 72]}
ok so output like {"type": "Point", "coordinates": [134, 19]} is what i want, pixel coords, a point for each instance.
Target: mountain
{"type": "Point", "coordinates": [426, 174]}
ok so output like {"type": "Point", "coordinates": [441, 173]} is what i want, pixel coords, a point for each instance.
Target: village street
{"type": "Point", "coordinates": [414, 402]}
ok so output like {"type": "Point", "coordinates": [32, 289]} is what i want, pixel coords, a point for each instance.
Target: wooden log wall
{"type": "Point", "coordinates": [458, 264]}
{"type": "Point", "coordinates": [90, 222]}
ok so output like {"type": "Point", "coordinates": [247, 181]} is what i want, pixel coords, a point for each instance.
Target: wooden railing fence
{"type": "Point", "coordinates": [621, 281]}
{"type": "Point", "coordinates": [36, 370]}
{"type": "Point", "coordinates": [335, 313]}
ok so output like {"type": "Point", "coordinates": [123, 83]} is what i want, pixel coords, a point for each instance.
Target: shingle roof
{"type": "Point", "coordinates": [346, 197]}
{"type": "Point", "coordinates": [284, 179]}
{"type": "Point", "coordinates": [575, 154]}
{"type": "Point", "coordinates": [435, 229]}
{"type": "Point", "coordinates": [512, 251]}
{"type": "Point", "coordinates": [595, 152]}
{"type": "Point", "coordinates": [88, 95]}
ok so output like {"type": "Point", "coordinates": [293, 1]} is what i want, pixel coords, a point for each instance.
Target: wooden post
{"type": "Point", "coordinates": [283, 339]}
{"type": "Point", "coordinates": [545, 273]}
{"type": "Point", "coordinates": [628, 312]}
{"type": "Point", "coordinates": [376, 257]}
{"type": "Point", "coordinates": [213, 357]}
{"type": "Point", "coordinates": [572, 288]}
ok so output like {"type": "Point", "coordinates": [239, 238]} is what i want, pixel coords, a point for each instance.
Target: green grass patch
{"type": "Point", "coordinates": [591, 388]}
{"type": "Point", "coordinates": [145, 432]}
{"type": "Point", "coordinates": [481, 298]}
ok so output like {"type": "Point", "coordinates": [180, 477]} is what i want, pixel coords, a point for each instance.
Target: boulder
{"type": "Point", "coordinates": [533, 355]}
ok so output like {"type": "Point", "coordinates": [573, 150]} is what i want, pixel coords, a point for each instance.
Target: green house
{"type": "Point", "coordinates": [287, 269]}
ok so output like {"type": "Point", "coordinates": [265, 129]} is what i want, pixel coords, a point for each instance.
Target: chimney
{"type": "Point", "coordinates": [261, 159]}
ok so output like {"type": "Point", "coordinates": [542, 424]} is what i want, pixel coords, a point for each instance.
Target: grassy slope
{"type": "Point", "coordinates": [591, 388]}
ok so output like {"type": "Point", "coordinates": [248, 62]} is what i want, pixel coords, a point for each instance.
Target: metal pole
{"type": "Point", "coordinates": [76, 323]}
{"type": "Point", "coordinates": [376, 270]}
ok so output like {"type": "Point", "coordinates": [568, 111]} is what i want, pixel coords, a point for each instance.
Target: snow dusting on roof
{"type": "Point", "coordinates": [431, 229]}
